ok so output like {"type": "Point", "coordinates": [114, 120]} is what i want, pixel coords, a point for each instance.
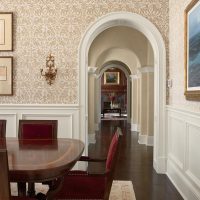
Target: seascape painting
{"type": "Point", "coordinates": [193, 68]}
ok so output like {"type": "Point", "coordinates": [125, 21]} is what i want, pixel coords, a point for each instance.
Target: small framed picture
{"type": "Point", "coordinates": [6, 31]}
{"type": "Point", "coordinates": [111, 78]}
{"type": "Point", "coordinates": [6, 76]}
{"type": "Point", "coordinates": [192, 51]}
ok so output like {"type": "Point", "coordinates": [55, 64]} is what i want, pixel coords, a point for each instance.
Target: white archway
{"type": "Point", "coordinates": [143, 25]}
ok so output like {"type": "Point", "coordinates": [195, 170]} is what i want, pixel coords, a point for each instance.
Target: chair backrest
{"type": "Point", "coordinates": [111, 162]}
{"type": "Point", "coordinates": [2, 128]}
{"type": "Point", "coordinates": [38, 129]}
{"type": "Point", "coordinates": [112, 152]}
{"type": "Point", "coordinates": [4, 181]}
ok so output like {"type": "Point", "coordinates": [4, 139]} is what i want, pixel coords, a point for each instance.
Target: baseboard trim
{"type": "Point", "coordinates": [91, 138]}
{"type": "Point", "coordinates": [145, 139]}
{"type": "Point", "coordinates": [96, 126]}
{"type": "Point", "coordinates": [134, 127]}
{"type": "Point", "coordinates": [181, 182]}
{"type": "Point", "coordinates": [160, 165]}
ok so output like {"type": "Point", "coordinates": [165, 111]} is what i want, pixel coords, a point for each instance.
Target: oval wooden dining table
{"type": "Point", "coordinates": [41, 160]}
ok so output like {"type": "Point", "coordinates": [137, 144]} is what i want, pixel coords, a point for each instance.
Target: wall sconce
{"type": "Point", "coordinates": [50, 72]}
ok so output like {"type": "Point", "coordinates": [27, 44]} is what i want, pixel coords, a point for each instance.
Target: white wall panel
{"type": "Point", "coordinates": [67, 116]}
{"type": "Point", "coordinates": [183, 165]}
{"type": "Point", "coordinates": [11, 123]}
{"type": "Point", "coordinates": [193, 153]}
{"type": "Point", "coordinates": [176, 140]}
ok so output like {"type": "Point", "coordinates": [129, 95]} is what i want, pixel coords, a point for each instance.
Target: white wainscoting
{"type": "Point", "coordinates": [67, 116]}
{"type": "Point", "coordinates": [183, 165]}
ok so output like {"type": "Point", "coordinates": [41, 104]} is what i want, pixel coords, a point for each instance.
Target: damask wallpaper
{"type": "Point", "coordinates": [176, 57]}
{"type": "Point", "coordinates": [57, 26]}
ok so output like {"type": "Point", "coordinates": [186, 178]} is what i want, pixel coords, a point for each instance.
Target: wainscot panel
{"type": "Point", "coordinates": [183, 165]}
{"type": "Point", "coordinates": [67, 116]}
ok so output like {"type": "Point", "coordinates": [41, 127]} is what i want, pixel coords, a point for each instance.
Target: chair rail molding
{"type": "Point", "coordinates": [146, 27]}
{"type": "Point", "coordinates": [183, 163]}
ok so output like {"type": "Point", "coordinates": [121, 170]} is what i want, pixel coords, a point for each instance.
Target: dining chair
{"type": "Point", "coordinates": [83, 185]}
{"type": "Point", "coordinates": [2, 128]}
{"type": "Point", "coordinates": [37, 129]}
{"type": "Point", "coordinates": [5, 193]}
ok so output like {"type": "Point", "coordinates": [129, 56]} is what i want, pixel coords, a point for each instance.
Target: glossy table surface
{"type": "Point", "coordinates": [41, 160]}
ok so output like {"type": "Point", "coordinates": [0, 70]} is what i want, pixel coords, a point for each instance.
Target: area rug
{"type": "Point", "coordinates": [121, 190]}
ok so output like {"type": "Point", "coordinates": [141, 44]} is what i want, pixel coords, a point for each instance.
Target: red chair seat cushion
{"type": "Point", "coordinates": [82, 186]}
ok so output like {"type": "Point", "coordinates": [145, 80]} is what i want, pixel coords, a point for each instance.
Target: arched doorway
{"type": "Point", "coordinates": [153, 35]}
{"type": "Point", "coordinates": [124, 68]}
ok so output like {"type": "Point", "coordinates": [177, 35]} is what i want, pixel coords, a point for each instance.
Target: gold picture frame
{"type": "Point", "coordinates": [111, 78]}
{"type": "Point", "coordinates": [6, 31]}
{"type": "Point", "coordinates": [6, 76]}
{"type": "Point", "coordinates": [192, 51]}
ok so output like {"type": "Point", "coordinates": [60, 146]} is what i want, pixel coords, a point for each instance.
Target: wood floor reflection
{"type": "Point", "coordinates": [135, 163]}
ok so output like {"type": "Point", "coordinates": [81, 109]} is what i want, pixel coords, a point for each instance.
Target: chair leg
{"type": "Point", "coordinates": [31, 189]}
{"type": "Point", "coordinates": [21, 189]}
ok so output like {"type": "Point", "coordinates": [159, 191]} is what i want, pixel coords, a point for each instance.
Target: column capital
{"type": "Point", "coordinates": [145, 69]}
{"type": "Point", "coordinates": [135, 76]}
{"type": "Point", "coordinates": [92, 70]}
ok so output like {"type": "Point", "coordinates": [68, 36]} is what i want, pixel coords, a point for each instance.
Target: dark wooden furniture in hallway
{"type": "Point", "coordinates": [113, 110]}
{"type": "Point", "coordinates": [135, 163]}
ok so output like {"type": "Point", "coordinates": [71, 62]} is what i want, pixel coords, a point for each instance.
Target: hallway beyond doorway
{"type": "Point", "coordinates": [135, 163]}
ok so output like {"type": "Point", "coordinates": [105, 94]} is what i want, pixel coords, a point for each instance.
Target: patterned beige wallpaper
{"type": "Point", "coordinates": [57, 26]}
{"type": "Point", "coordinates": [176, 58]}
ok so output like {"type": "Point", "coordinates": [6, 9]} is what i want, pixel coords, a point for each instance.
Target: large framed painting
{"type": "Point", "coordinates": [6, 31]}
{"type": "Point", "coordinates": [6, 76]}
{"type": "Point", "coordinates": [192, 51]}
{"type": "Point", "coordinates": [111, 78]}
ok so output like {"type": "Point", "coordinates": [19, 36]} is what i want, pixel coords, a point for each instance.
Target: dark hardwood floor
{"type": "Point", "coordinates": [135, 163]}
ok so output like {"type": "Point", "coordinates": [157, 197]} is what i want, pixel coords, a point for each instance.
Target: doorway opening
{"type": "Point", "coordinates": [144, 26]}
{"type": "Point", "coordinates": [113, 95]}
{"type": "Point", "coordinates": [114, 91]}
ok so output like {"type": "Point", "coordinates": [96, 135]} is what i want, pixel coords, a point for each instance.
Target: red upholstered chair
{"type": "Point", "coordinates": [37, 129]}
{"type": "Point", "coordinates": [4, 178]}
{"type": "Point", "coordinates": [82, 185]}
{"type": "Point", "coordinates": [2, 128]}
